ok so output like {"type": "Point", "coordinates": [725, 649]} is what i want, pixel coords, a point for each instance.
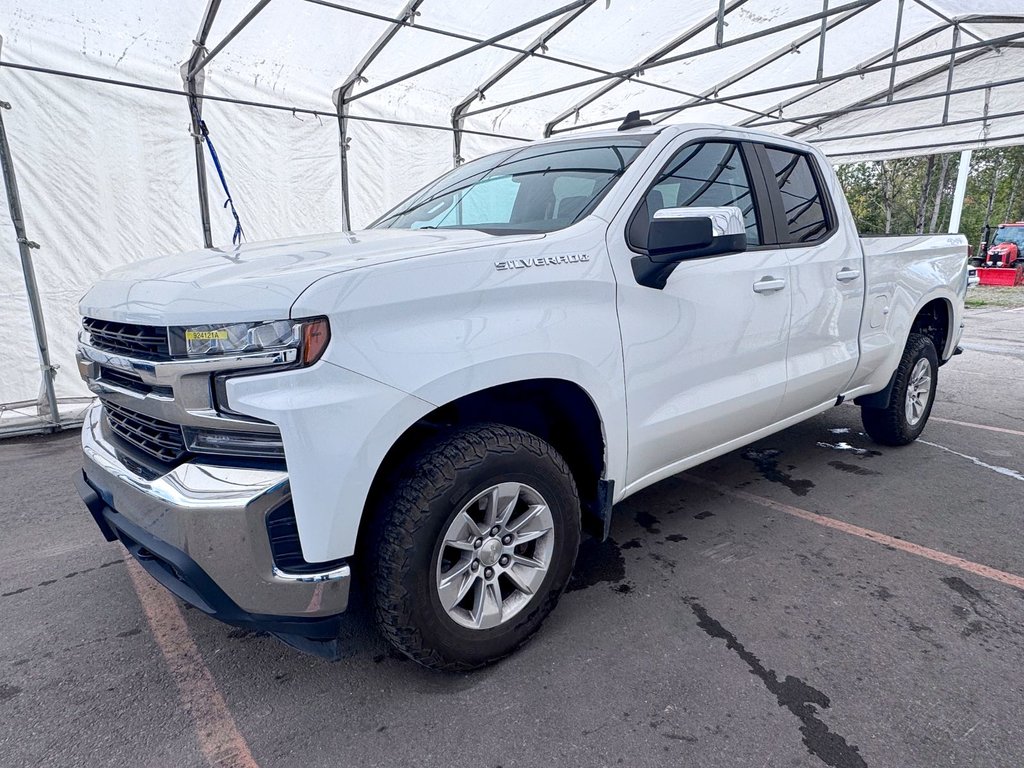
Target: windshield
{"type": "Point", "coordinates": [1013, 235]}
{"type": "Point", "coordinates": [538, 188]}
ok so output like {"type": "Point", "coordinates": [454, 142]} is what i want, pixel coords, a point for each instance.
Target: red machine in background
{"type": "Point", "coordinates": [1003, 260]}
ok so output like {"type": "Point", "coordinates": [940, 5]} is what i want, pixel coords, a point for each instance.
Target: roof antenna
{"type": "Point", "coordinates": [633, 120]}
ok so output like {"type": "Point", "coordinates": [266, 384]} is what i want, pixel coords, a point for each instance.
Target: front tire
{"type": "Point", "coordinates": [473, 546]}
{"type": "Point", "coordinates": [913, 393]}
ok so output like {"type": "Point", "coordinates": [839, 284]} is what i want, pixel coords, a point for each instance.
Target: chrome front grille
{"type": "Point", "coordinates": [160, 439]}
{"type": "Point", "coordinates": [148, 342]}
{"type": "Point", "coordinates": [132, 382]}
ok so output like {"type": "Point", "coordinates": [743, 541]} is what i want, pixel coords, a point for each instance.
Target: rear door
{"type": "Point", "coordinates": [705, 357]}
{"type": "Point", "coordinates": [826, 278]}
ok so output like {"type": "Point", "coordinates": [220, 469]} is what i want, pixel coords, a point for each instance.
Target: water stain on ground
{"type": "Point", "coordinates": [703, 515]}
{"type": "Point", "coordinates": [648, 522]}
{"type": "Point", "coordinates": [48, 582]}
{"type": "Point", "coordinates": [794, 694]}
{"type": "Point", "coordinates": [767, 464]}
{"type": "Point", "coordinates": [598, 563]}
{"type": "Point", "coordinates": [852, 469]}
{"type": "Point", "coordinates": [632, 544]}
{"type": "Point", "coordinates": [675, 537]}
{"type": "Point", "coordinates": [962, 588]}
{"type": "Point", "coordinates": [8, 691]}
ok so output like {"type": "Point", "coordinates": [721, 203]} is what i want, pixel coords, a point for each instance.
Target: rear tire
{"type": "Point", "coordinates": [449, 592]}
{"type": "Point", "coordinates": [913, 392]}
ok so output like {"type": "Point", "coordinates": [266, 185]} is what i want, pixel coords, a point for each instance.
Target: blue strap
{"type": "Point", "coordinates": [239, 234]}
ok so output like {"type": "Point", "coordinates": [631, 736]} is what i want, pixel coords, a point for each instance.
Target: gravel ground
{"type": "Point", "coordinates": [743, 614]}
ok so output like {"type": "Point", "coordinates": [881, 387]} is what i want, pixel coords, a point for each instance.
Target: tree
{"type": "Point", "coordinates": [901, 195]}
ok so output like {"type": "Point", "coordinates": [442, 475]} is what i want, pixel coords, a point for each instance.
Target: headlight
{"type": "Point", "coordinates": [310, 337]}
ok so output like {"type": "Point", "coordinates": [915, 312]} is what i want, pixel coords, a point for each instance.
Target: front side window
{"type": "Point", "coordinates": [708, 174]}
{"type": "Point", "coordinates": [539, 188]}
{"type": "Point", "coordinates": [802, 197]}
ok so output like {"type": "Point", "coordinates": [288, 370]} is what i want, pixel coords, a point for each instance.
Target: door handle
{"type": "Point", "coordinates": [846, 274]}
{"type": "Point", "coordinates": [769, 284]}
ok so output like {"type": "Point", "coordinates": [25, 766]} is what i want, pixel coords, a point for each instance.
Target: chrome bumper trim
{"type": "Point", "coordinates": [217, 516]}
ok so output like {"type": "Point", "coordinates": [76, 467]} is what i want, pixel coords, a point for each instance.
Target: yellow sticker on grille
{"type": "Point", "coordinates": [221, 335]}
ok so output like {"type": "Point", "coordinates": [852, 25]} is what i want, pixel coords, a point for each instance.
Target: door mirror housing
{"type": "Point", "coordinates": [689, 233]}
{"type": "Point", "coordinates": [678, 234]}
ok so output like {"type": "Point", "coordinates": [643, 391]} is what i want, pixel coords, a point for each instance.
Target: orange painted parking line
{"type": "Point", "coordinates": [979, 426]}
{"type": "Point", "coordinates": [1009, 579]}
{"type": "Point", "coordinates": [220, 741]}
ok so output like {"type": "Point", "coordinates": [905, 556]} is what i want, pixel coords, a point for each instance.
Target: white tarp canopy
{"type": "Point", "coordinates": [108, 173]}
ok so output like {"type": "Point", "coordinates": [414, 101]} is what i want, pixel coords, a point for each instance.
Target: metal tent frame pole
{"type": "Point", "coordinates": [931, 148]}
{"type": "Point", "coordinates": [1000, 41]}
{"type": "Point", "coordinates": [199, 65]}
{"type": "Point", "coordinates": [985, 118]}
{"type": "Point", "coordinates": [894, 64]}
{"type": "Point", "coordinates": [476, 47]}
{"type": "Point", "coordinates": [960, 191]}
{"type": "Point", "coordinates": [194, 86]}
{"type": "Point", "coordinates": [827, 23]}
{"type": "Point", "coordinates": [25, 247]}
{"type": "Point", "coordinates": [342, 97]}
{"type": "Point", "coordinates": [633, 71]}
{"type": "Point", "coordinates": [873, 102]}
{"type": "Point", "coordinates": [459, 111]}
{"type": "Point", "coordinates": [717, 19]}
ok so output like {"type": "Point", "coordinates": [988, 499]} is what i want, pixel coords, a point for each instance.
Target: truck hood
{"type": "Point", "coordinates": [258, 281]}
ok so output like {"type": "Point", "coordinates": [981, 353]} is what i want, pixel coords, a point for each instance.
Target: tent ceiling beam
{"type": "Point", "coordinates": [724, 7]}
{"type": "Point", "coordinates": [197, 66]}
{"type": "Point", "coordinates": [873, 103]}
{"type": "Point", "coordinates": [931, 147]}
{"type": "Point", "coordinates": [1003, 40]}
{"type": "Point", "coordinates": [467, 38]}
{"type": "Point", "coordinates": [793, 45]}
{"type": "Point", "coordinates": [632, 71]}
{"type": "Point", "coordinates": [949, 20]}
{"type": "Point", "coordinates": [984, 119]}
{"type": "Point", "coordinates": [476, 47]}
{"type": "Point", "coordinates": [856, 70]}
{"type": "Point", "coordinates": [952, 69]}
{"type": "Point", "coordinates": [895, 48]}
{"type": "Point", "coordinates": [459, 111]}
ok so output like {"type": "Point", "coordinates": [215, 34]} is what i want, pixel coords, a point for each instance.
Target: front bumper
{"type": "Point", "coordinates": [200, 530]}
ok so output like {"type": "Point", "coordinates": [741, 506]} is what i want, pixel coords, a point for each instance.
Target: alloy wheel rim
{"type": "Point", "coordinates": [494, 555]}
{"type": "Point", "coordinates": [919, 389]}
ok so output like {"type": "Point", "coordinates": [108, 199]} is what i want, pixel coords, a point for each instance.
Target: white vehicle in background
{"type": "Point", "coordinates": [435, 407]}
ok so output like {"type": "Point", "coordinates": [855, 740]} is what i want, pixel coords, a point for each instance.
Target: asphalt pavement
{"type": "Point", "coordinates": [810, 600]}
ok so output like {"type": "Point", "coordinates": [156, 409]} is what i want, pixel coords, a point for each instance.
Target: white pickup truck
{"type": "Point", "coordinates": [433, 408]}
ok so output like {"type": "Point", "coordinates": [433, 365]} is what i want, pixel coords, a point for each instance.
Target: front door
{"type": "Point", "coordinates": [705, 357]}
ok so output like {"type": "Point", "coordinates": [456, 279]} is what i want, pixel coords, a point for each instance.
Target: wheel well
{"type": "Point", "coordinates": [557, 411]}
{"type": "Point", "coordinates": [933, 321]}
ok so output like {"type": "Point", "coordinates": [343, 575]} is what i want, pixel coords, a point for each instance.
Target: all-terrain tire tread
{"type": "Point", "coordinates": [887, 426]}
{"type": "Point", "coordinates": [429, 475]}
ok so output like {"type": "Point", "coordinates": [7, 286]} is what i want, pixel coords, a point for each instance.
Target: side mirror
{"type": "Point", "coordinates": [678, 234]}
{"type": "Point", "coordinates": [688, 233]}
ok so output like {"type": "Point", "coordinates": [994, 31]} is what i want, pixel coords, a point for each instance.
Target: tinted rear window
{"type": "Point", "coordinates": [802, 196]}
